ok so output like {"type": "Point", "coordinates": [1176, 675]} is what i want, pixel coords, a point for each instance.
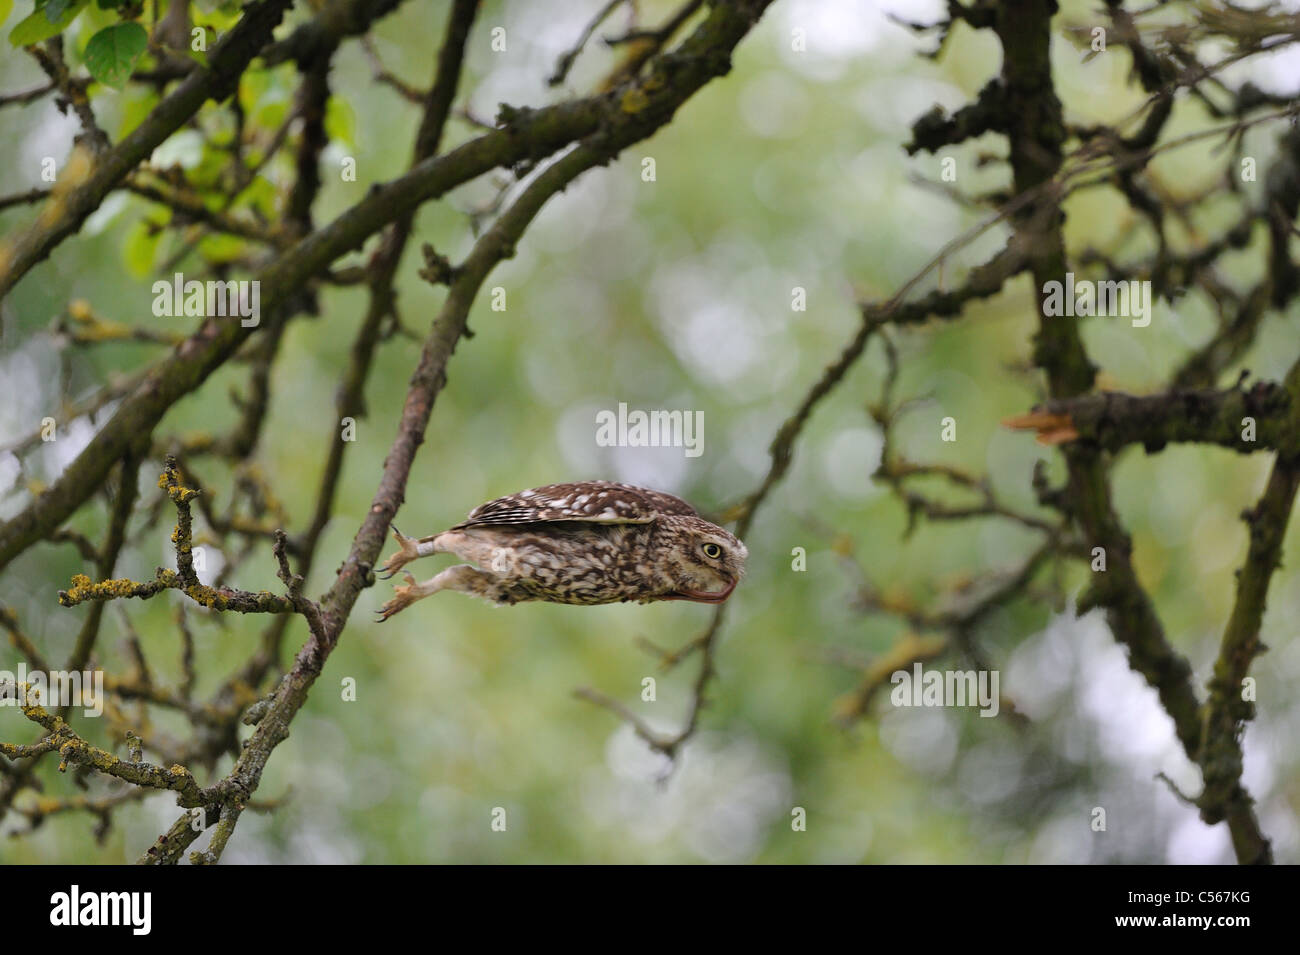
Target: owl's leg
{"type": "Point", "coordinates": [476, 546]}
{"type": "Point", "coordinates": [462, 577]}
{"type": "Point", "coordinates": [411, 549]}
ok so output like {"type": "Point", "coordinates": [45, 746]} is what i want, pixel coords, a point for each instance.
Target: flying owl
{"type": "Point", "coordinates": [593, 542]}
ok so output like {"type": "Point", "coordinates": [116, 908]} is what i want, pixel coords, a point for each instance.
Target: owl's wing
{"type": "Point", "coordinates": [596, 502]}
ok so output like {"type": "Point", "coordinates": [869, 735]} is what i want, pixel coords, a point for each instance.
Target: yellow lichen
{"type": "Point", "coordinates": [634, 100]}
{"type": "Point", "coordinates": [207, 596]}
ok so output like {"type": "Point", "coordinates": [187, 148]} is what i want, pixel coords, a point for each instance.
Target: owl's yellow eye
{"type": "Point", "coordinates": [712, 551]}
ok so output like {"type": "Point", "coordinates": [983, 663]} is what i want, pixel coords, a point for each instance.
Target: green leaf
{"type": "Point", "coordinates": [222, 248]}
{"type": "Point", "coordinates": [340, 121]}
{"type": "Point", "coordinates": [139, 249]}
{"type": "Point", "coordinates": [112, 52]}
{"type": "Point", "coordinates": [6, 8]}
{"type": "Point", "coordinates": [55, 9]}
{"type": "Point", "coordinates": [135, 107]}
{"type": "Point", "coordinates": [260, 194]}
{"type": "Point", "coordinates": [36, 27]}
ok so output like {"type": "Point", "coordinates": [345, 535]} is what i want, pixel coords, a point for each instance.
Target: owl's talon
{"type": "Point", "coordinates": [409, 551]}
{"type": "Point", "coordinates": [402, 598]}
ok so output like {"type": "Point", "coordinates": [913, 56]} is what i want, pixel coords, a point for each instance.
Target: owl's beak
{"type": "Point", "coordinates": [703, 596]}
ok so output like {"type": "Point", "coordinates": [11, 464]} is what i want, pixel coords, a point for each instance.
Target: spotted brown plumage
{"type": "Point", "coordinates": [602, 502]}
{"type": "Point", "coordinates": [590, 542]}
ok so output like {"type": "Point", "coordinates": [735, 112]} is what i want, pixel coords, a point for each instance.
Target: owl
{"type": "Point", "coordinates": [593, 542]}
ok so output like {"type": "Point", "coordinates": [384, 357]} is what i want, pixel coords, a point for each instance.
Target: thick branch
{"type": "Point", "coordinates": [1228, 706]}
{"type": "Point", "coordinates": [1112, 420]}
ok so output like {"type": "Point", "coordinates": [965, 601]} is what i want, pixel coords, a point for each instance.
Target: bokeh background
{"type": "Point", "coordinates": [677, 294]}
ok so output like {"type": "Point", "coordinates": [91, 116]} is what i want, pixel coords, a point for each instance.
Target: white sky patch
{"type": "Point", "coordinates": [837, 32]}
{"type": "Point", "coordinates": [715, 341]}
{"type": "Point", "coordinates": [1279, 822]}
{"type": "Point", "coordinates": [10, 468]}
{"type": "Point", "coordinates": [923, 739]}
{"type": "Point", "coordinates": [570, 220]}
{"type": "Point", "coordinates": [546, 30]}
{"type": "Point", "coordinates": [714, 320]}
{"type": "Point", "coordinates": [103, 217]}
{"type": "Point", "coordinates": [1194, 843]}
{"type": "Point", "coordinates": [23, 395]}
{"type": "Point", "coordinates": [332, 156]}
{"type": "Point", "coordinates": [510, 82]}
{"type": "Point", "coordinates": [536, 34]}
{"type": "Point", "coordinates": [51, 136]}
{"type": "Point", "coordinates": [184, 148]}
{"type": "Point", "coordinates": [1276, 72]}
{"type": "Point", "coordinates": [663, 468]}
{"type": "Point", "coordinates": [892, 104]}
{"type": "Point", "coordinates": [1119, 718]}
{"type": "Point", "coordinates": [1259, 769]}
{"type": "Point", "coordinates": [726, 792]}
{"type": "Point", "coordinates": [72, 440]}
{"type": "Point", "coordinates": [848, 460]}
{"type": "Point", "coordinates": [1040, 670]}
{"type": "Point", "coordinates": [1133, 730]}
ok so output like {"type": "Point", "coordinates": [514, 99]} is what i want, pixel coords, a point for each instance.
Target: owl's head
{"type": "Point", "coordinates": [700, 561]}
